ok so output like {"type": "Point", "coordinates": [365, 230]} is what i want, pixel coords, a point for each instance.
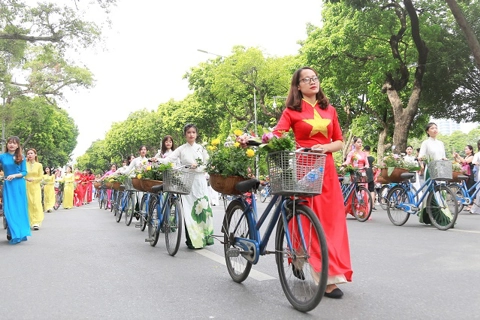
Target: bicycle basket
{"type": "Point", "coordinates": [361, 177]}
{"type": "Point", "coordinates": [178, 180]}
{"type": "Point", "coordinates": [296, 173]}
{"type": "Point", "coordinates": [440, 170]}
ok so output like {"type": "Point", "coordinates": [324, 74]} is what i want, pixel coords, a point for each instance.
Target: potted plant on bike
{"type": "Point", "coordinates": [230, 162]}
{"type": "Point", "coordinates": [393, 166]}
{"type": "Point", "coordinates": [148, 175]}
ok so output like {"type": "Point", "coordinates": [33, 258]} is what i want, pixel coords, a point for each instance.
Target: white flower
{"type": "Point", "coordinates": [201, 205]}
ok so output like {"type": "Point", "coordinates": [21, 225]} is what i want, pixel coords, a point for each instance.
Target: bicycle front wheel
{"type": "Point", "coordinates": [118, 204]}
{"type": "Point", "coordinates": [121, 206]}
{"type": "Point", "coordinates": [362, 204]}
{"type": "Point", "coordinates": [442, 207]}
{"type": "Point", "coordinates": [172, 223]}
{"type": "Point", "coordinates": [236, 225]}
{"type": "Point", "coordinates": [58, 200]}
{"type": "Point", "coordinates": [396, 214]}
{"type": "Point", "coordinates": [302, 268]}
{"type": "Point", "coordinates": [130, 209]}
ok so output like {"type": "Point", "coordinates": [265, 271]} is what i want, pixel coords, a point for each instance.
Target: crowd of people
{"type": "Point", "coordinates": [315, 125]}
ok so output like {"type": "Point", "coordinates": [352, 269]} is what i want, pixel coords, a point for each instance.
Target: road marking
{"type": "Point", "coordinates": [466, 231]}
{"type": "Point", "coordinates": [257, 275]}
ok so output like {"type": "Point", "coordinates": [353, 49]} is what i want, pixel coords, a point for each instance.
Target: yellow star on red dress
{"type": "Point", "coordinates": [318, 124]}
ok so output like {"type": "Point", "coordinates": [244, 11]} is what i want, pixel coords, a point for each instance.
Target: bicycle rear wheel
{"type": "Point", "coordinates": [382, 196]}
{"type": "Point", "coordinates": [264, 194]}
{"type": "Point", "coordinates": [362, 203]}
{"type": "Point", "coordinates": [113, 200]}
{"type": "Point", "coordinates": [235, 224]}
{"type": "Point", "coordinates": [104, 201]}
{"type": "Point", "coordinates": [130, 209]}
{"type": "Point", "coordinates": [117, 206]}
{"type": "Point", "coordinates": [173, 223]}
{"type": "Point", "coordinates": [303, 268]}
{"type": "Point", "coordinates": [442, 207]}
{"type": "Point", "coordinates": [152, 221]}
{"type": "Point", "coordinates": [396, 214]}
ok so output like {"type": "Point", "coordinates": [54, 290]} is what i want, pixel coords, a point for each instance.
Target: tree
{"type": "Point", "coordinates": [375, 56]}
{"type": "Point", "coordinates": [43, 127]}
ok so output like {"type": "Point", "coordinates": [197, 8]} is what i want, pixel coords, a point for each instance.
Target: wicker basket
{"type": "Point", "coordinates": [147, 184]}
{"type": "Point", "coordinates": [455, 176]}
{"type": "Point", "coordinates": [296, 173]}
{"type": "Point", "coordinates": [116, 185]}
{"type": "Point", "coordinates": [178, 180]}
{"type": "Point", "coordinates": [394, 176]}
{"type": "Point", "coordinates": [97, 184]}
{"type": "Point", "coordinates": [225, 185]}
{"type": "Point", "coordinates": [137, 184]}
{"type": "Point", "coordinates": [440, 170]}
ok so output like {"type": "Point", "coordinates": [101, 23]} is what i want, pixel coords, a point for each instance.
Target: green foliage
{"type": "Point", "coordinates": [395, 161]}
{"type": "Point", "coordinates": [153, 171]}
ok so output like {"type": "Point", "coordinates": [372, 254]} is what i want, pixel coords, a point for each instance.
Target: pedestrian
{"type": "Point", "coordinates": [411, 159]}
{"type": "Point", "coordinates": [15, 192]}
{"type": "Point", "coordinates": [430, 150]}
{"type": "Point", "coordinates": [48, 190]}
{"type": "Point", "coordinates": [68, 188]}
{"type": "Point", "coordinates": [198, 231]}
{"type": "Point", "coordinates": [315, 125]}
{"type": "Point", "coordinates": [467, 167]}
{"type": "Point", "coordinates": [370, 175]}
{"type": "Point", "coordinates": [34, 191]}
{"type": "Point", "coordinates": [476, 171]}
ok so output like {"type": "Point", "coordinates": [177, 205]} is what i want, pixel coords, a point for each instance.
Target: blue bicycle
{"type": "Point", "coordinates": [266, 192]}
{"type": "Point", "coordinates": [300, 244]}
{"type": "Point", "coordinates": [441, 203]}
{"type": "Point", "coordinates": [465, 196]}
{"type": "Point", "coordinates": [165, 212]}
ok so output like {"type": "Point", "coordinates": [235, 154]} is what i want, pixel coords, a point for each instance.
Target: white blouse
{"type": "Point", "coordinates": [187, 154]}
{"type": "Point", "coordinates": [135, 163]}
{"type": "Point", "coordinates": [432, 148]}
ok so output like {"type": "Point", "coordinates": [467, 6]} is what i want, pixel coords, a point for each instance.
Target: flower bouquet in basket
{"type": "Point", "coordinates": [394, 165]}
{"type": "Point", "coordinates": [230, 161]}
{"type": "Point", "coordinates": [149, 174]}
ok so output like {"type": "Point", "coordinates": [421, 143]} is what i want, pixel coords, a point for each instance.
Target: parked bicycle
{"type": "Point", "coordinates": [58, 196]}
{"type": "Point", "coordinates": [441, 202]}
{"type": "Point", "coordinates": [300, 246]}
{"type": "Point", "coordinates": [356, 197]}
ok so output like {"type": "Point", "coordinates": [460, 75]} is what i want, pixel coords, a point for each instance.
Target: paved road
{"type": "Point", "coordinates": [83, 265]}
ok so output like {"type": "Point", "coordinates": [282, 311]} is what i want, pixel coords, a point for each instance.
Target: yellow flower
{"type": "Point", "coordinates": [172, 164]}
{"type": "Point", "coordinates": [250, 153]}
{"type": "Point", "coordinates": [238, 132]}
{"type": "Point", "coordinates": [149, 168]}
{"type": "Point", "coordinates": [139, 176]}
{"type": "Point", "coordinates": [237, 144]}
{"type": "Point", "coordinates": [211, 148]}
{"type": "Point", "coordinates": [215, 142]}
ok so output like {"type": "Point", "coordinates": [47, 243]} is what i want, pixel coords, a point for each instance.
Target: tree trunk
{"type": "Point", "coordinates": [472, 40]}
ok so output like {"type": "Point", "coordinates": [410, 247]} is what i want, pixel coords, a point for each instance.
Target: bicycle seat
{"type": "Point", "coordinates": [247, 185]}
{"type": "Point", "coordinates": [462, 177]}
{"type": "Point", "coordinates": [407, 175]}
{"type": "Point", "coordinates": [340, 179]}
{"type": "Point", "coordinates": [157, 189]}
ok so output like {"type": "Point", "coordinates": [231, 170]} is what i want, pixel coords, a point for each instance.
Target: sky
{"type": "Point", "coordinates": [152, 44]}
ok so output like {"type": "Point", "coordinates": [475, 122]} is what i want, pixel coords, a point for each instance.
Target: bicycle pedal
{"type": "Point", "coordinates": [137, 225]}
{"type": "Point", "coordinates": [148, 240]}
{"type": "Point", "coordinates": [232, 252]}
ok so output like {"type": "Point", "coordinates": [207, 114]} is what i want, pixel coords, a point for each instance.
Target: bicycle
{"type": "Point", "coordinates": [441, 202]}
{"type": "Point", "coordinates": [126, 204]}
{"type": "Point", "coordinates": [462, 192]}
{"type": "Point", "coordinates": [266, 192]}
{"type": "Point", "coordinates": [300, 246]}
{"type": "Point", "coordinates": [58, 197]}
{"type": "Point", "coordinates": [165, 209]}
{"type": "Point", "coordinates": [357, 195]}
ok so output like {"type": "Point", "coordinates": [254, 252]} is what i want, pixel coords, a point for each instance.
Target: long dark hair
{"type": "Point", "coordinates": [166, 138]}
{"type": "Point", "coordinates": [471, 149]}
{"type": "Point", "coordinates": [295, 96]}
{"type": "Point", "coordinates": [18, 156]}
